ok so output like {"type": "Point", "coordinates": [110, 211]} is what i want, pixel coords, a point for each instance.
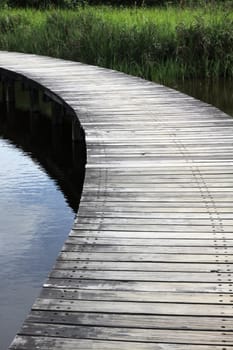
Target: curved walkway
{"type": "Point", "coordinates": [148, 263]}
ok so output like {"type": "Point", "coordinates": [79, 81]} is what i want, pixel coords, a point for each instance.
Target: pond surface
{"type": "Point", "coordinates": [35, 219]}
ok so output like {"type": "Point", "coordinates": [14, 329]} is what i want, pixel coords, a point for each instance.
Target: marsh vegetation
{"type": "Point", "coordinates": [162, 44]}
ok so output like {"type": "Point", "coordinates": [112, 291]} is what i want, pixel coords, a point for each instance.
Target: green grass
{"type": "Point", "coordinates": [163, 44]}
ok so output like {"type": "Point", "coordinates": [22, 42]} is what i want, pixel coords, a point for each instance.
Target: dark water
{"type": "Point", "coordinates": [218, 93]}
{"type": "Point", "coordinates": [35, 218]}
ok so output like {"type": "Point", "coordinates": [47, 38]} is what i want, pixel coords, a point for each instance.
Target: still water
{"type": "Point", "coordinates": [34, 221]}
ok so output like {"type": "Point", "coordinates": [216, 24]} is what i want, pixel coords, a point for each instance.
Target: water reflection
{"type": "Point", "coordinates": [218, 93]}
{"type": "Point", "coordinates": [34, 217]}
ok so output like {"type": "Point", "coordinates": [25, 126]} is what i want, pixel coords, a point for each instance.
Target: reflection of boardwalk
{"type": "Point", "coordinates": [148, 264]}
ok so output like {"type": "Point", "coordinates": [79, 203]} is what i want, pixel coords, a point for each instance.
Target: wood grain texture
{"type": "Point", "coordinates": [148, 263]}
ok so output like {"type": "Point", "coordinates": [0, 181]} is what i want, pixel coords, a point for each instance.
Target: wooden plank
{"type": "Point", "coordinates": [129, 320]}
{"type": "Point", "coordinates": [101, 248]}
{"type": "Point", "coordinates": [88, 213]}
{"type": "Point", "coordinates": [111, 295]}
{"type": "Point", "coordinates": [186, 287]}
{"type": "Point", "coordinates": [147, 257]}
{"type": "Point", "coordinates": [151, 242]}
{"type": "Point", "coordinates": [50, 343]}
{"type": "Point", "coordinates": [163, 276]}
{"type": "Point", "coordinates": [212, 227]}
{"type": "Point", "coordinates": [156, 208]}
{"type": "Point", "coordinates": [141, 266]}
{"type": "Point", "coordinates": [131, 334]}
{"type": "Point", "coordinates": [197, 235]}
{"type": "Point", "coordinates": [133, 308]}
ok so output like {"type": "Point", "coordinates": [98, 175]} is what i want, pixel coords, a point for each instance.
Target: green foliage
{"type": "Point", "coordinates": [42, 4]}
{"type": "Point", "coordinates": [211, 45]}
{"type": "Point", "coordinates": [163, 44]}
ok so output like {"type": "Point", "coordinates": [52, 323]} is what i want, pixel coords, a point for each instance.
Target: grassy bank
{"type": "Point", "coordinates": [158, 44]}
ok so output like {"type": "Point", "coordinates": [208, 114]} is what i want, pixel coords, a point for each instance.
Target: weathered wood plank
{"type": "Point", "coordinates": [50, 343]}
{"type": "Point", "coordinates": [151, 241]}
{"type": "Point", "coordinates": [133, 307]}
{"type": "Point", "coordinates": [147, 276]}
{"type": "Point", "coordinates": [100, 248]}
{"type": "Point", "coordinates": [186, 287]}
{"type": "Point", "coordinates": [141, 266]}
{"type": "Point", "coordinates": [130, 334]}
{"type": "Point", "coordinates": [215, 226]}
{"type": "Point", "coordinates": [129, 320]}
{"type": "Point", "coordinates": [183, 235]}
{"type": "Point", "coordinates": [111, 295]}
{"type": "Point", "coordinates": [147, 257]}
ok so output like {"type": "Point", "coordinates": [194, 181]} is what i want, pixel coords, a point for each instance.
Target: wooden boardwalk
{"type": "Point", "coordinates": [148, 263]}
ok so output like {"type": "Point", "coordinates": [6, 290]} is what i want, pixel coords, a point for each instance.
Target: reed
{"type": "Point", "coordinates": [160, 44]}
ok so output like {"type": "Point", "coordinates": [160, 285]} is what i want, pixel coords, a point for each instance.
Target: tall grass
{"type": "Point", "coordinates": [158, 44]}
